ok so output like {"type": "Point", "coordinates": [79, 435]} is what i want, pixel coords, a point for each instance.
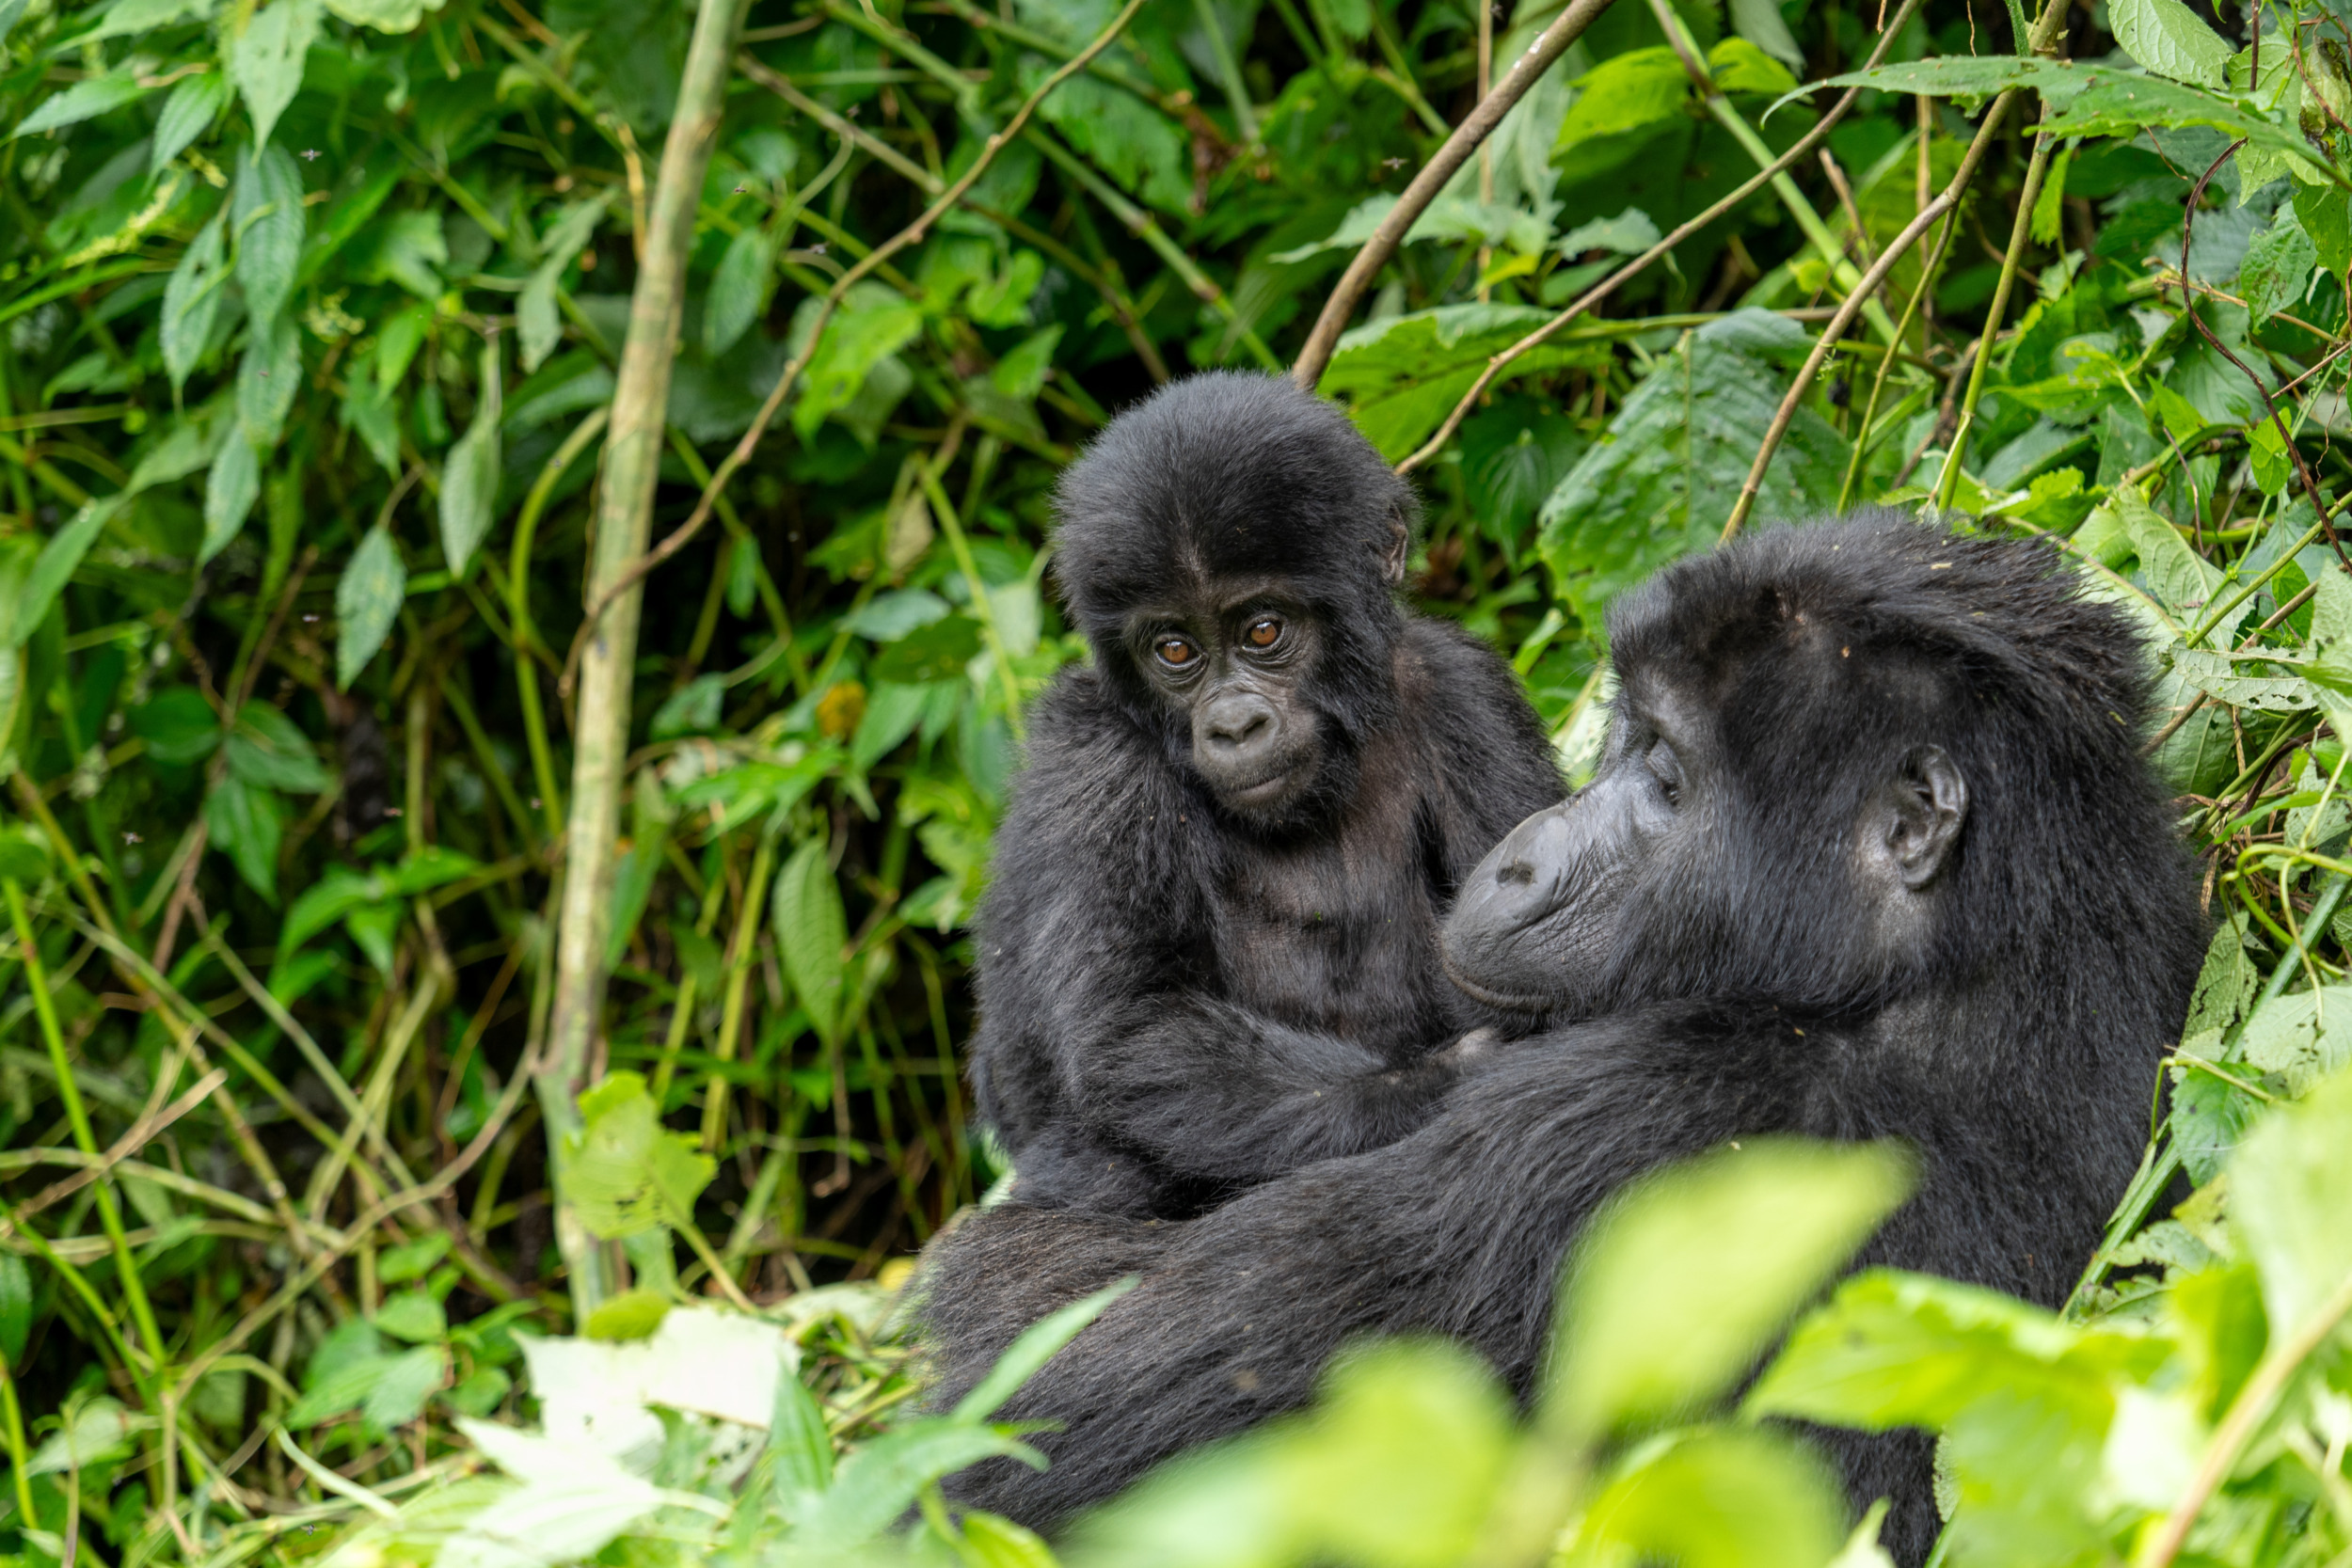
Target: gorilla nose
{"type": "Point", "coordinates": [1238, 724]}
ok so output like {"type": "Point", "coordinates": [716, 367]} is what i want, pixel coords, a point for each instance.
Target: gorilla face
{"type": "Point", "coordinates": [1538, 920]}
{"type": "Point", "coordinates": [1237, 662]}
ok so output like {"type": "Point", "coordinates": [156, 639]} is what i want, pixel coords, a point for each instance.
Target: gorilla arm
{"type": "Point", "coordinates": [1240, 1310]}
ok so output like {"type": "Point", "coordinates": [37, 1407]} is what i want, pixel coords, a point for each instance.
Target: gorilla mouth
{"type": "Point", "coordinates": [1508, 1002]}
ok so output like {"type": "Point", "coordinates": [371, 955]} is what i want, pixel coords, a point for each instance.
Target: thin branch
{"type": "Point", "coordinates": [1632, 269]}
{"type": "Point", "coordinates": [1564, 30]}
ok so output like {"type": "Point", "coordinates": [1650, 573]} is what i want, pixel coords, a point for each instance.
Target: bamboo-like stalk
{"type": "Point", "coordinates": [624, 520]}
{"type": "Point", "coordinates": [1554, 42]}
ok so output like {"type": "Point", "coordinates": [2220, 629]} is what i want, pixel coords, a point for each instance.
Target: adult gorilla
{"type": "Point", "coordinates": [1871, 853]}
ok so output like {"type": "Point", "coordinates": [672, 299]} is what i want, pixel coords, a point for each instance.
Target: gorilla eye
{"type": "Point", "coordinates": [1175, 652]}
{"type": "Point", "coordinates": [1667, 770]}
{"type": "Point", "coordinates": [1264, 632]}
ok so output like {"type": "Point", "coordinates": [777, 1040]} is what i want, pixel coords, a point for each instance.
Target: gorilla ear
{"type": "Point", "coordinates": [1919, 816]}
{"type": "Point", "coordinates": [1400, 549]}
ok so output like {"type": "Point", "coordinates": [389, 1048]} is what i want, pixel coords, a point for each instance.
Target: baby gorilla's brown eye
{"type": "Point", "coordinates": [1175, 651]}
{"type": "Point", "coordinates": [1265, 632]}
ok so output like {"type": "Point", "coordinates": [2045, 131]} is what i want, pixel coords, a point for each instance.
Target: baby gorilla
{"type": "Point", "coordinates": [1871, 853]}
{"type": "Point", "coordinates": [1209, 950]}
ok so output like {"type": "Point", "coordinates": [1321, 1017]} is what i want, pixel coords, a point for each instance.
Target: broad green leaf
{"type": "Point", "coordinates": [2277, 269]}
{"type": "Point", "coordinates": [244, 823]}
{"type": "Point", "coordinates": [1037, 1345]}
{"type": "Point", "coordinates": [1759, 22]}
{"type": "Point", "coordinates": [883, 1479]}
{"type": "Point", "coordinates": [2290, 1191]}
{"type": "Point", "coordinates": [1629, 233]}
{"type": "Point", "coordinates": [891, 712]}
{"type": "Point", "coordinates": [126, 18]}
{"type": "Point", "coordinates": [56, 565]}
{"type": "Point", "coordinates": [23, 853]}
{"type": "Point", "coordinates": [1676, 1291]}
{"type": "Point", "coordinates": [536, 322]}
{"type": "Point", "coordinates": [2242, 684]}
{"type": "Point", "coordinates": [16, 1309]}
{"type": "Point", "coordinates": [631, 1315]}
{"type": "Point", "coordinates": [269, 373]}
{"type": "Point", "coordinates": [2324, 213]}
{"type": "Point", "coordinates": [338, 892]}
{"type": "Point", "coordinates": [887, 617]}
{"type": "Point", "coordinates": [573, 1503]}
{"type": "Point", "coordinates": [230, 491]}
{"type": "Point", "coordinates": [191, 298]}
{"type": "Point", "coordinates": [403, 248]}
{"type": "Point", "coordinates": [1400, 377]}
{"type": "Point", "coordinates": [2180, 578]}
{"type": "Point", "coordinates": [1144, 152]}
{"type": "Point", "coordinates": [195, 103]}
{"type": "Point", "coordinates": [407, 1382]}
{"type": "Point", "coordinates": [2266, 454]}
{"type": "Point", "coordinates": [872, 324]}
{"type": "Point", "coordinates": [812, 932]}
{"type": "Point", "coordinates": [1637, 89]}
{"type": "Point", "coordinates": [82, 100]}
{"type": "Point", "coordinates": [470, 478]}
{"type": "Point", "coordinates": [797, 1437]}
{"type": "Point", "coordinates": [739, 290]}
{"type": "Point", "coordinates": [266, 749]}
{"type": "Point", "coordinates": [1722, 1498]}
{"type": "Point", "coordinates": [266, 61]}
{"type": "Point", "coordinates": [368, 412]}
{"type": "Point", "coordinates": [396, 1265]}
{"type": "Point", "coordinates": [624, 1169]}
{"type": "Point", "coordinates": [1021, 372]}
{"type": "Point", "coordinates": [100, 1431]}
{"type": "Point", "coordinates": [2166, 38]}
{"type": "Point", "coordinates": [185, 448]}
{"type": "Point", "coordinates": [178, 725]}
{"type": "Point", "coordinates": [266, 217]}
{"type": "Point", "coordinates": [1739, 65]}
{"type": "Point", "coordinates": [413, 1316]}
{"type": "Point", "coordinates": [367, 600]}
{"type": "Point", "coordinates": [1658, 482]}
{"type": "Point", "coordinates": [385, 16]}
{"type": "Point", "coordinates": [993, 1543]}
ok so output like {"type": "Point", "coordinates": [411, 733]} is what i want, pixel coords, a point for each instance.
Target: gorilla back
{"type": "Point", "coordinates": [1871, 853]}
{"type": "Point", "coordinates": [1209, 952]}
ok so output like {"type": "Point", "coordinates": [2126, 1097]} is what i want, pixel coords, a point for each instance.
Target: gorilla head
{"type": "Point", "coordinates": [1837, 754]}
{"type": "Point", "coordinates": [1262, 681]}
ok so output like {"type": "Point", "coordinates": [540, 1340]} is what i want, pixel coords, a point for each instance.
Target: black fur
{"type": "Point", "coordinates": [1739, 968]}
{"type": "Point", "coordinates": [1178, 999]}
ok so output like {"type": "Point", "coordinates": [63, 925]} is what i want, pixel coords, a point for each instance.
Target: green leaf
{"type": "Point", "coordinates": [405, 1383]}
{"type": "Point", "coordinates": [2290, 1189]}
{"type": "Point", "coordinates": [178, 725]}
{"type": "Point", "coordinates": [23, 853]}
{"type": "Point", "coordinates": [185, 448]}
{"type": "Point", "coordinates": [1400, 377]}
{"type": "Point", "coordinates": [385, 16]}
{"type": "Point", "coordinates": [230, 492]}
{"type": "Point", "coordinates": [82, 100]}
{"type": "Point", "coordinates": [1759, 22]}
{"type": "Point", "coordinates": [412, 1260]}
{"type": "Point", "coordinates": [266, 749]}
{"type": "Point", "coordinates": [244, 825]}
{"type": "Point", "coordinates": [269, 373]}
{"type": "Point", "coordinates": [812, 930]}
{"type": "Point", "coordinates": [739, 290]}
{"type": "Point", "coordinates": [266, 62]}
{"type": "Point", "coordinates": [338, 892]}
{"type": "Point", "coordinates": [367, 600]}
{"type": "Point", "coordinates": [631, 1315]}
{"type": "Point", "coordinates": [1037, 1345]}
{"type": "Point", "coordinates": [1021, 374]}
{"type": "Point", "coordinates": [413, 1316]}
{"type": "Point", "coordinates": [2166, 38]}
{"type": "Point", "coordinates": [369, 412]}
{"type": "Point", "coordinates": [1725, 1497]}
{"type": "Point", "coordinates": [872, 324]}
{"type": "Point", "coordinates": [191, 298]}
{"type": "Point", "coordinates": [2324, 213]}
{"type": "Point", "coordinates": [537, 321]}
{"type": "Point", "coordinates": [16, 1309]}
{"type": "Point", "coordinates": [993, 1543]}
{"type": "Point", "coordinates": [2277, 269]}
{"type": "Point", "coordinates": [56, 565]}
{"type": "Point", "coordinates": [797, 1437]}
{"type": "Point", "coordinates": [372, 927]}
{"type": "Point", "coordinates": [1655, 486]}
{"type": "Point", "coordinates": [403, 248]}
{"type": "Point", "coordinates": [1739, 65]}
{"type": "Point", "coordinates": [1633, 91]}
{"type": "Point", "coordinates": [470, 478]}
{"type": "Point", "coordinates": [2241, 683]}
{"type": "Point", "coordinates": [1674, 1294]}
{"type": "Point", "coordinates": [266, 215]}
{"type": "Point", "coordinates": [626, 1172]}
{"type": "Point", "coordinates": [883, 1479]}
{"type": "Point", "coordinates": [195, 103]}
{"type": "Point", "coordinates": [1144, 152]}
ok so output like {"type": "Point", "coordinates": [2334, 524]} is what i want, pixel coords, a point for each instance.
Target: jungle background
{"type": "Point", "coordinates": [369, 1128]}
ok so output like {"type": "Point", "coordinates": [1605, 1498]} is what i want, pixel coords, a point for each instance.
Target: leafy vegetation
{"type": "Point", "coordinates": [326, 672]}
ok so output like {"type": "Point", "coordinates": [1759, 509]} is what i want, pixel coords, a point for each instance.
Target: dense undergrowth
{"type": "Point", "coordinates": [313, 318]}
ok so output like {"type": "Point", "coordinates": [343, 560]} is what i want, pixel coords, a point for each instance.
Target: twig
{"type": "Point", "coordinates": [748, 443]}
{"type": "Point", "coordinates": [141, 1132]}
{"type": "Point", "coordinates": [1607, 286]}
{"type": "Point", "coordinates": [1862, 291]}
{"type": "Point", "coordinates": [1564, 30]}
